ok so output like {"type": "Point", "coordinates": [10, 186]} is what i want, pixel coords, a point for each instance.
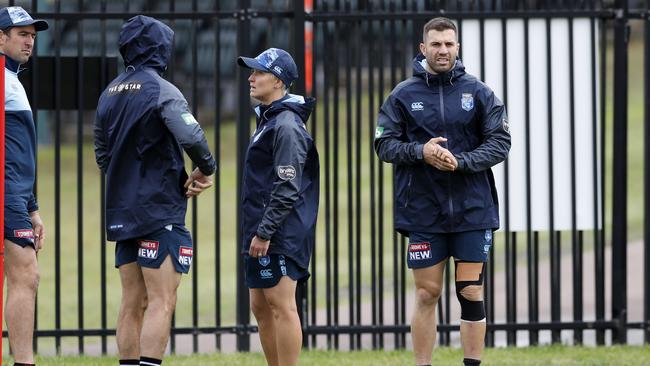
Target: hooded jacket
{"type": "Point", "coordinates": [20, 143]}
{"type": "Point", "coordinates": [142, 126]}
{"type": "Point", "coordinates": [461, 108]}
{"type": "Point", "coordinates": [280, 185]}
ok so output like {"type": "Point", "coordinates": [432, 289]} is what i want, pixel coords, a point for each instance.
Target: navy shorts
{"type": "Point", "coordinates": [428, 249]}
{"type": "Point", "coordinates": [152, 249]}
{"type": "Point", "coordinates": [266, 272]}
{"type": "Point", "coordinates": [18, 225]}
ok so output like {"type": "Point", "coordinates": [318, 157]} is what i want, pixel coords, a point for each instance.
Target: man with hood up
{"type": "Point", "coordinates": [444, 129]}
{"type": "Point", "coordinates": [143, 125]}
{"type": "Point", "coordinates": [279, 203]}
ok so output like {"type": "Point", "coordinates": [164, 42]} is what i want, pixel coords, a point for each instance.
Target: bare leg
{"type": "Point", "coordinates": [428, 286]}
{"type": "Point", "coordinates": [21, 269]}
{"type": "Point", "coordinates": [132, 307]}
{"type": "Point", "coordinates": [161, 286]}
{"type": "Point", "coordinates": [282, 299]}
{"type": "Point", "coordinates": [472, 333]}
{"type": "Point", "coordinates": [266, 324]}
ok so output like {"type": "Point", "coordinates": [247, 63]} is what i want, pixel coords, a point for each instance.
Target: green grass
{"type": "Point", "coordinates": [539, 356]}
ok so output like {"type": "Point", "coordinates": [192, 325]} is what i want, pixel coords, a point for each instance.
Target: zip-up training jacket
{"type": "Point", "coordinates": [142, 126]}
{"type": "Point", "coordinates": [20, 142]}
{"type": "Point", "coordinates": [461, 108]}
{"type": "Point", "coordinates": [280, 180]}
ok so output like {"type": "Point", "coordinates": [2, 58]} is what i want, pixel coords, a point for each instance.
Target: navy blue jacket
{"type": "Point", "coordinates": [280, 180]}
{"type": "Point", "coordinates": [461, 108]}
{"type": "Point", "coordinates": [142, 126]}
{"type": "Point", "coordinates": [20, 143]}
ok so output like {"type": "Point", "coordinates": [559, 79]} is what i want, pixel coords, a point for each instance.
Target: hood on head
{"type": "Point", "coordinates": [145, 41]}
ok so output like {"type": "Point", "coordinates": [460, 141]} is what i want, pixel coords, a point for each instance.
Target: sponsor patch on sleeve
{"type": "Point", "coordinates": [419, 251]}
{"type": "Point", "coordinates": [286, 172]}
{"type": "Point", "coordinates": [185, 255]}
{"type": "Point", "coordinates": [24, 234]}
{"type": "Point", "coordinates": [189, 119]}
{"type": "Point", "coordinates": [506, 126]}
{"type": "Point", "coordinates": [379, 131]}
{"type": "Point", "coordinates": [148, 249]}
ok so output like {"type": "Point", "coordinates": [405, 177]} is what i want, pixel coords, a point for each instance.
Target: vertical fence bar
{"type": "Point", "coordinates": [314, 129]}
{"type": "Point", "coordinates": [336, 58]}
{"type": "Point", "coordinates": [556, 281]}
{"type": "Point", "coordinates": [57, 179]}
{"type": "Point", "coordinates": [80, 172]}
{"type": "Point", "coordinates": [553, 243]}
{"type": "Point", "coordinates": [619, 174]}
{"type": "Point", "coordinates": [102, 199]}
{"type": "Point", "coordinates": [380, 201]}
{"type": "Point", "coordinates": [371, 168]}
{"type": "Point", "coordinates": [171, 72]}
{"type": "Point", "coordinates": [599, 255]}
{"type": "Point", "coordinates": [217, 176]}
{"type": "Point", "coordinates": [357, 150]}
{"type": "Point", "coordinates": [646, 175]}
{"type": "Point", "coordinates": [350, 165]}
{"type": "Point", "coordinates": [195, 202]}
{"type": "Point", "coordinates": [396, 254]}
{"type": "Point", "coordinates": [327, 37]}
{"type": "Point", "coordinates": [34, 100]}
{"type": "Point", "coordinates": [575, 234]}
{"type": "Point", "coordinates": [243, 134]}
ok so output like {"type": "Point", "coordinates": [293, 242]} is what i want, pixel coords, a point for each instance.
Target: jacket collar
{"type": "Point", "coordinates": [449, 77]}
{"type": "Point", "coordinates": [11, 64]}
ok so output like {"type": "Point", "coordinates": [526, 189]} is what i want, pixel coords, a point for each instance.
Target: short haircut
{"type": "Point", "coordinates": [438, 24]}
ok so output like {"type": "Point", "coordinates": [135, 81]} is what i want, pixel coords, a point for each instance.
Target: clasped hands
{"type": "Point", "coordinates": [439, 157]}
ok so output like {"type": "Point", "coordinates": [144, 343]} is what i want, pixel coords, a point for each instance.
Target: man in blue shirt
{"type": "Point", "coordinates": [444, 129]}
{"type": "Point", "coordinates": [143, 125]}
{"type": "Point", "coordinates": [24, 232]}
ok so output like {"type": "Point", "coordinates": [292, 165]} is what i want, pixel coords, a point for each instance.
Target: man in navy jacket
{"type": "Point", "coordinates": [143, 125]}
{"type": "Point", "coordinates": [444, 129]}
{"type": "Point", "coordinates": [24, 232]}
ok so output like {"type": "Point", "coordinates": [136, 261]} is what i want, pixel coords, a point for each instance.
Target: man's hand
{"type": "Point", "coordinates": [437, 156]}
{"type": "Point", "coordinates": [259, 247]}
{"type": "Point", "coordinates": [39, 230]}
{"type": "Point", "coordinates": [197, 183]}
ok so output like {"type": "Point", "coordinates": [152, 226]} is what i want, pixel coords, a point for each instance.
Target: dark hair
{"type": "Point", "coordinates": [439, 24]}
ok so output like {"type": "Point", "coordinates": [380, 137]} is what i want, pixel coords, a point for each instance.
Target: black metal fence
{"type": "Point", "coordinates": [355, 52]}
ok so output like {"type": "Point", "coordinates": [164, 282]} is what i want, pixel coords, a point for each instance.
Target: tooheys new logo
{"type": "Point", "coordinates": [419, 251]}
{"type": "Point", "coordinates": [185, 255]}
{"type": "Point", "coordinates": [24, 233]}
{"type": "Point", "coordinates": [148, 249]}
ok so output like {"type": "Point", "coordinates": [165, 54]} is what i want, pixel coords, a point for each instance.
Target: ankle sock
{"type": "Point", "coordinates": [471, 362]}
{"type": "Point", "coordinates": [147, 361]}
{"type": "Point", "coordinates": [130, 362]}
{"type": "Point", "coordinates": [24, 364]}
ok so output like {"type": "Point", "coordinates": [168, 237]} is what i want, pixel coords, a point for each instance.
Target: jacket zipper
{"type": "Point", "coordinates": [444, 123]}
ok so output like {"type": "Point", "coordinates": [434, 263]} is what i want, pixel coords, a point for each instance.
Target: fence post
{"type": "Point", "coordinates": [619, 184]}
{"type": "Point", "coordinates": [243, 135]}
{"type": "Point", "coordinates": [299, 45]}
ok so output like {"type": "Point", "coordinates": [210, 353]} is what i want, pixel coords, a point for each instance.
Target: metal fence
{"type": "Point", "coordinates": [355, 52]}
